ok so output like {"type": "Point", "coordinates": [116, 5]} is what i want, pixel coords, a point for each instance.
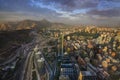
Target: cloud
{"type": "Point", "coordinates": [67, 8]}
{"type": "Point", "coordinates": [105, 13]}
{"type": "Point", "coordinates": [68, 5]}
{"type": "Point", "coordinates": [13, 4]}
{"type": "Point", "coordinates": [69, 11]}
{"type": "Point", "coordinates": [108, 4]}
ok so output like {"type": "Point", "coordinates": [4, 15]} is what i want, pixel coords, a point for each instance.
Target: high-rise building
{"type": "Point", "coordinates": [67, 69]}
{"type": "Point", "coordinates": [87, 75]}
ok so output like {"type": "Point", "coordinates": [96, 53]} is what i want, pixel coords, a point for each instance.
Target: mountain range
{"type": "Point", "coordinates": [26, 24]}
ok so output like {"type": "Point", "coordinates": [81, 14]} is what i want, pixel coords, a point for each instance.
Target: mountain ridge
{"type": "Point", "coordinates": [26, 24]}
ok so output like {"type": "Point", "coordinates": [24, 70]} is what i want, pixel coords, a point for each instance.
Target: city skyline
{"type": "Point", "coordinates": [98, 12]}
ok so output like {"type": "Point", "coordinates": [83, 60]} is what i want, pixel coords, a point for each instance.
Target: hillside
{"type": "Point", "coordinates": [27, 24]}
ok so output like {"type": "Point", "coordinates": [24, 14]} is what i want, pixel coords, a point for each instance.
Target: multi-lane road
{"type": "Point", "coordinates": [36, 56]}
{"type": "Point", "coordinates": [25, 57]}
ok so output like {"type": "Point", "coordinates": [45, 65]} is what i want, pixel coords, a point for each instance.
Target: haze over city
{"type": "Point", "coordinates": [65, 11]}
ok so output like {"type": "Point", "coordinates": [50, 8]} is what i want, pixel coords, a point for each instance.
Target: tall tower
{"type": "Point", "coordinates": [62, 41]}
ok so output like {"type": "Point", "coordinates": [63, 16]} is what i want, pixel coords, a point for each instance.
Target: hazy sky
{"type": "Point", "coordinates": [66, 11]}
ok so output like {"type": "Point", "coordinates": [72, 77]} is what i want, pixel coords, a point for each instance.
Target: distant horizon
{"type": "Point", "coordinates": [105, 25]}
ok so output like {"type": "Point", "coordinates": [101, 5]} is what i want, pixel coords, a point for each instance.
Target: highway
{"type": "Point", "coordinates": [44, 66]}
{"type": "Point", "coordinates": [36, 68]}
{"type": "Point", "coordinates": [25, 66]}
{"type": "Point", "coordinates": [25, 57]}
{"type": "Point", "coordinates": [48, 67]}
